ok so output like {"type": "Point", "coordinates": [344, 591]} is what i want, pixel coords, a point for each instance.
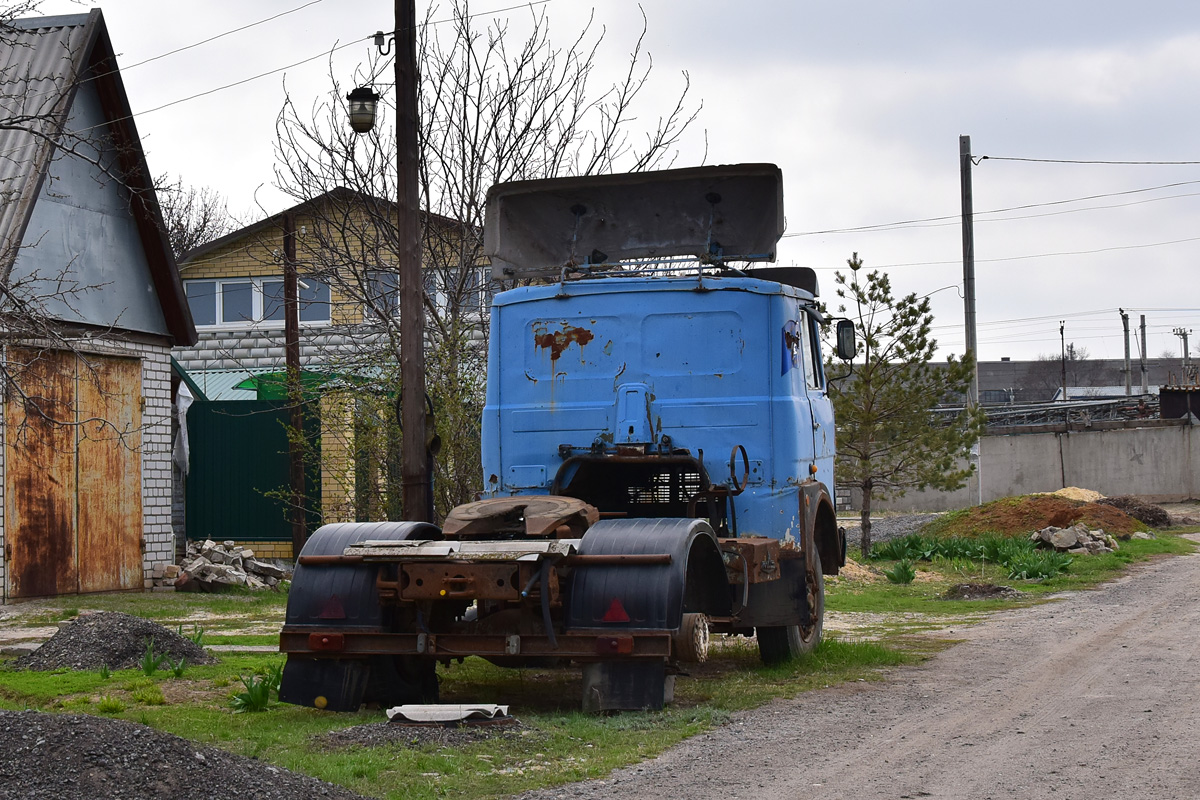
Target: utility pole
{"type": "Point", "coordinates": [968, 240]}
{"type": "Point", "coordinates": [1062, 336]}
{"type": "Point", "coordinates": [1128, 364]}
{"type": "Point", "coordinates": [414, 469]}
{"type": "Point", "coordinates": [295, 389]}
{"type": "Point", "coordinates": [1145, 377]}
{"type": "Point", "coordinates": [1182, 333]}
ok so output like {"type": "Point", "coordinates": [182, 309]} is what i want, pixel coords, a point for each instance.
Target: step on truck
{"type": "Point", "coordinates": [658, 451]}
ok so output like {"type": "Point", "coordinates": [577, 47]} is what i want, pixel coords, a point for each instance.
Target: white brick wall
{"type": "Point", "coordinates": [158, 540]}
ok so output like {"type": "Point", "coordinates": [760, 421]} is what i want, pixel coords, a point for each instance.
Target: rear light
{"type": "Point", "coordinates": [326, 641]}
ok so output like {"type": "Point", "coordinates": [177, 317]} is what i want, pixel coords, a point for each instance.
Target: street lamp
{"type": "Point", "coordinates": [363, 102]}
{"type": "Point", "coordinates": [414, 458]}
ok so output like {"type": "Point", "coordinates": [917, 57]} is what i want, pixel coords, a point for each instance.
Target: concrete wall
{"type": "Point", "coordinates": [1162, 461]}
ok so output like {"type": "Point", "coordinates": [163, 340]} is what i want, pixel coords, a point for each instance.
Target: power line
{"type": "Point", "coordinates": [1036, 255]}
{"type": "Point", "coordinates": [1078, 161]}
{"type": "Point", "coordinates": [322, 54]}
{"type": "Point", "coordinates": [953, 219]}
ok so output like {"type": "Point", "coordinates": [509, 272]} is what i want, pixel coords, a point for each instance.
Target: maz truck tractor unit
{"type": "Point", "coordinates": [658, 452]}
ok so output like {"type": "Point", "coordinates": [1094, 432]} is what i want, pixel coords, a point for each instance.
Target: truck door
{"type": "Point", "coordinates": [818, 398]}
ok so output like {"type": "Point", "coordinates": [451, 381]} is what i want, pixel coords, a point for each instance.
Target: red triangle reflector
{"type": "Point", "coordinates": [616, 613]}
{"type": "Point", "coordinates": [333, 609]}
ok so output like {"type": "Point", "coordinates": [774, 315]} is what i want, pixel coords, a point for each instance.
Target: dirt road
{"type": "Point", "coordinates": [1092, 696]}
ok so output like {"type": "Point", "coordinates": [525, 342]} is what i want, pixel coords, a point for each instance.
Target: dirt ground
{"type": "Point", "coordinates": [1091, 696]}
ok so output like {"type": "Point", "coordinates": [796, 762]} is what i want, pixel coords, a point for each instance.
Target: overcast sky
{"type": "Point", "coordinates": [860, 103]}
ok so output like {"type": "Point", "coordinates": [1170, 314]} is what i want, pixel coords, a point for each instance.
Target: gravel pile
{"type": "Point", "coordinates": [111, 638]}
{"type": "Point", "coordinates": [70, 756]}
{"type": "Point", "coordinates": [379, 733]}
{"type": "Point", "coordinates": [891, 527]}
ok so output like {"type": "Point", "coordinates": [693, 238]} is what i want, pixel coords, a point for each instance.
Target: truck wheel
{"type": "Point", "coordinates": [400, 680]}
{"type": "Point", "coordinates": [783, 643]}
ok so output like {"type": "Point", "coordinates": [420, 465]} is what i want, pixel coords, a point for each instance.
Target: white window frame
{"type": "Point", "coordinates": [257, 304]}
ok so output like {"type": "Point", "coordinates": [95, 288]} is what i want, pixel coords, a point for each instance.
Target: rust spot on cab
{"type": "Point", "coordinates": [559, 341]}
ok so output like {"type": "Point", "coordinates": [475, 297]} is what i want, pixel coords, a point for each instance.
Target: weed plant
{"type": "Point", "coordinates": [256, 697]}
{"type": "Point", "coordinates": [109, 705]}
{"type": "Point", "coordinates": [178, 667]}
{"type": "Point", "coordinates": [151, 661]}
{"type": "Point", "coordinates": [148, 696]}
{"type": "Point", "coordinates": [1017, 555]}
{"type": "Point", "coordinates": [903, 572]}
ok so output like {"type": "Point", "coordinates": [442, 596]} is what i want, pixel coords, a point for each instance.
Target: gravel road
{"type": "Point", "coordinates": [1092, 696]}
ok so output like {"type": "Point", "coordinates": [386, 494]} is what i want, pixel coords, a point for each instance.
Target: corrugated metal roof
{"type": "Point", "coordinates": [42, 62]}
{"type": "Point", "coordinates": [217, 384]}
{"type": "Point", "coordinates": [38, 65]}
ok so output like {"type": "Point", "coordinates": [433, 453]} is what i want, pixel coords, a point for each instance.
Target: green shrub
{"type": "Point", "coordinates": [178, 667]}
{"type": "Point", "coordinates": [903, 572]}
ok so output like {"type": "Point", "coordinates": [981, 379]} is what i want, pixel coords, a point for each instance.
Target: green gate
{"type": "Point", "coordinates": [238, 476]}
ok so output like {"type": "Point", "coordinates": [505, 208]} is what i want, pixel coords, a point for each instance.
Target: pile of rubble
{"type": "Point", "coordinates": [210, 567]}
{"type": "Point", "coordinates": [1080, 540]}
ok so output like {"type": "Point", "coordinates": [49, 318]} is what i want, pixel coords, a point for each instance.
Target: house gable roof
{"type": "Point", "coordinates": [43, 63]}
{"type": "Point", "coordinates": [339, 195]}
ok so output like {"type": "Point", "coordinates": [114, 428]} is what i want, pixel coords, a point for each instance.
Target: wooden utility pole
{"type": "Point", "coordinates": [968, 240]}
{"type": "Point", "coordinates": [414, 468]}
{"type": "Point", "coordinates": [295, 389]}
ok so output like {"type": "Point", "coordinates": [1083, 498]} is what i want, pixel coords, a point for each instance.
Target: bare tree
{"type": "Point", "coordinates": [1044, 377]}
{"type": "Point", "coordinates": [192, 215]}
{"type": "Point", "coordinates": [493, 108]}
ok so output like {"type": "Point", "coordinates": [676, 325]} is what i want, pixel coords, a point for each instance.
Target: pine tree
{"type": "Point", "coordinates": [889, 437]}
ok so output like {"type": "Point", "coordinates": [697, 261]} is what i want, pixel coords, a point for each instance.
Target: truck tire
{"type": "Point", "coordinates": [780, 644]}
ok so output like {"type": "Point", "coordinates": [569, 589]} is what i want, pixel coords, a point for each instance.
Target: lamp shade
{"type": "Point", "coordinates": [362, 109]}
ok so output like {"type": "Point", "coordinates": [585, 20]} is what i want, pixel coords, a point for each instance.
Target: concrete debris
{"type": "Point", "coordinates": [1076, 540]}
{"type": "Point", "coordinates": [211, 567]}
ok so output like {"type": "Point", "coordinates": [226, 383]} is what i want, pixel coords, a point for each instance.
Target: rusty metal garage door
{"type": "Point", "coordinates": [73, 498]}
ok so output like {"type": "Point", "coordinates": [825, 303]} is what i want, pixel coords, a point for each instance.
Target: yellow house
{"type": "Point", "coordinates": [349, 333]}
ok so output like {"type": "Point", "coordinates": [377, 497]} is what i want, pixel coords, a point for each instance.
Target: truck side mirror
{"type": "Point", "coordinates": [846, 345]}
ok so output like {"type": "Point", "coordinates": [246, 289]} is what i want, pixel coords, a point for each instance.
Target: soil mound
{"type": "Point", "coordinates": [1152, 515]}
{"type": "Point", "coordinates": [980, 591]}
{"type": "Point", "coordinates": [113, 639]}
{"type": "Point", "coordinates": [79, 757]}
{"type": "Point", "coordinates": [1014, 516]}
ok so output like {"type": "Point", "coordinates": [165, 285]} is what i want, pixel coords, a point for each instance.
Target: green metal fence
{"type": "Point", "coordinates": [239, 470]}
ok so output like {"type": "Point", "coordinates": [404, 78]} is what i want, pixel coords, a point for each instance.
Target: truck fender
{"type": "Point", "coordinates": [345, 597]}
{"type": "Point", "coordinates": [820, 523]}
{"type": "Point", "coordinates": [649, 596]}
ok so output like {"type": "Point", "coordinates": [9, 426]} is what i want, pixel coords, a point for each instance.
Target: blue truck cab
{"type": "Point", "coordinates": [640, 395]}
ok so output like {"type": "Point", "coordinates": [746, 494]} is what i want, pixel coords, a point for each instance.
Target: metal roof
{"type": "Point", "coordinates": [43, 61]}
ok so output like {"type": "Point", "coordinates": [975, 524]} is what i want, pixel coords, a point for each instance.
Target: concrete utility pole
{"type": "Point", "coordinates": [414, 468]}
{"type": "Point", "coordinates": [1182, 333]}
{"type": "Point", "coordinates": [1062, 337]}
{"type": "Point", "coordinates": [1128, 365]}
{"type": "Point", "coordinates": [968, 239]}
{"type": "Point", "coordinates": [1145, 377]}
{"type": "Point", "coordinates": [295, 388]}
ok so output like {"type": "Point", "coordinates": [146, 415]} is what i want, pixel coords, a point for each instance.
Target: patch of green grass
{"type": "Point", "coordinates": [243, 640]}
{"type": "Point", "coordinates": [148, 695]}
{"type": "Point", "coordinates": [109, 705]}
{"type": "Point", "coordinates": [176, 607]}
